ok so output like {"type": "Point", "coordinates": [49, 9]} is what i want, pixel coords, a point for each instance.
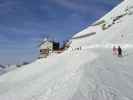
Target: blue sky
{"type": "Point", "coordinates": [23, 23]}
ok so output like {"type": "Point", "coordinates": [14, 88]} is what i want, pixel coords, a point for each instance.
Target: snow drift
{"type": "Point", "coordinates": [86, 71]}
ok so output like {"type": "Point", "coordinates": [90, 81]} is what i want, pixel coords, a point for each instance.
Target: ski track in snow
{"type": "Point", "coordinates": [47, 85]}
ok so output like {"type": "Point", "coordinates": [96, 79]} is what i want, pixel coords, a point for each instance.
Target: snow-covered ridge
{"type": "Point", "coordinates": [81, 74]}
{"type": "Point", "coordinates": [112, 20]}
{"type": "Point", "coordinates": [114, 16]}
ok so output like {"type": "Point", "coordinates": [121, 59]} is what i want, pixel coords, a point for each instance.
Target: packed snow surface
{"type": "Point", "coordinates": [86, 71]}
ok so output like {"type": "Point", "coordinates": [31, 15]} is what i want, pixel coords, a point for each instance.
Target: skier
{"type": "Point", "coordinates": [114, 50]}
{"type": "Point", "coordinates": [119, 52]}
{"type": "Point", "coordinates": [80, 48]}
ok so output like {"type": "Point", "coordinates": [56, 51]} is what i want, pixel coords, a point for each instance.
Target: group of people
{"type": "Point", "coordinates": [117, 51]}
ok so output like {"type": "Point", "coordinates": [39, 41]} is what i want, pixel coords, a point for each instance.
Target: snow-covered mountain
{"type": "Point", "coordinates": [5, 68]}
{"type": "Point", "coordinates": [86, 71]}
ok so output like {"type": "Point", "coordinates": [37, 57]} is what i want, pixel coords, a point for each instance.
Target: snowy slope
{"type": "Point", "coordinates": [88, 73]}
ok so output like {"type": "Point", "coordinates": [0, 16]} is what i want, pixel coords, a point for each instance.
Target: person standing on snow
{"type": "Point", "coordinates": [114, 50]}
{"type": "Point", "coordinates": [119, 51]}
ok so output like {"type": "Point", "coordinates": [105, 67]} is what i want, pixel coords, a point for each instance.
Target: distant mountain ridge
{"type": "Point", "coordinates": [2, 66]}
